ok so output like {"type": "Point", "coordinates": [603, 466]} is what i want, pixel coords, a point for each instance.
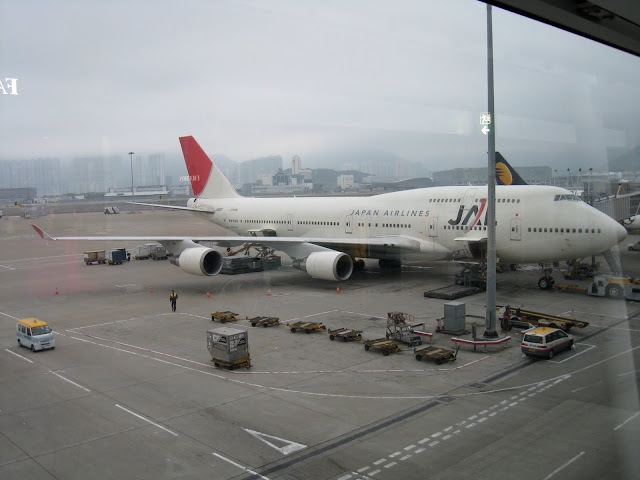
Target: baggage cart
{"type": "Point", "coordinates": [264, 321]}
{"type": "Point", "coordinates": [224, 317]}
{"type": "Point", "coordinates": [95, 256]}
{"type": "Point", "coordinates": [116, 256]}
{"type": "Point", "coordinates": [229, 347]}
{"type": "Point", "coordinates": [436, 354]}
{"type": "Point", "coordinates": [346, 334]}
{"type": "Point", "coordinates": [386, 346]}
{"type": "Point", "coordinates": [308, 327]}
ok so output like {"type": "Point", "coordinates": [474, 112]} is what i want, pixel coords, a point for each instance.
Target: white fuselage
{"type": "Point", "coordinates": [534, 224]}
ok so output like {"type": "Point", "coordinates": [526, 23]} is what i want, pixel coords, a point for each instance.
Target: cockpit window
{"type": "Point", "coordinates": [570, 197]}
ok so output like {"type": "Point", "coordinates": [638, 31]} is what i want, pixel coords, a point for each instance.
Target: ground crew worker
{"type": "Point", "coordinates": [173, 298]}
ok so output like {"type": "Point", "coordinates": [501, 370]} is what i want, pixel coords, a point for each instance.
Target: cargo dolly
{"type": "Point", "coordinates": [223, 317]}
{"type": "Point", "coordinates": [436, 354]}
{"type": "Point", "coordinates": [387, 346]}
{"type": "Point", "coordinates": [346, 334]}
{"type": "Point", "coordinates": [264, 321]}
{"type": "Point", "coordinates": [308, 327]}
{"type": "Point", "coordinates": [518, 317]}
{"type": "Point", "coordinates": [244, 362]}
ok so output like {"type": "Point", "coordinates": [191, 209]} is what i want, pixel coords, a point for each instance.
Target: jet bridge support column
{"type": "Point", "coordinates": [490, 318]}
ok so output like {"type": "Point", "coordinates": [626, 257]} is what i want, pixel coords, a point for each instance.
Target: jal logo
{"type": "Point", "coordinates": [9, 86]}
{"type": "Point", "coordinates": [474, 210]}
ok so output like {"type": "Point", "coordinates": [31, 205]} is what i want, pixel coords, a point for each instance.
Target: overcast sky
{"type": "Point", "coordinates": [256, 78]}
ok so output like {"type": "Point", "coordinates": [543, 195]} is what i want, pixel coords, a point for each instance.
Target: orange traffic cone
{"type": "Point", "coordinates": [208, 294]}
{"type": "Point", "coordinates": [338, 289]}
{"type": "Point", "coordinates": [269, 292]}
{"type": "Point", "coordinates": [56, 290]}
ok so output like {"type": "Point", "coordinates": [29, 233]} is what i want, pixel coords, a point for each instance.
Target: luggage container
{"type": "Point", "coordinates": [116, 256]}
{"type": "Point", "coordinates": [97, 256]}
{"type": "Point", "coordinates": [142, 252]}
{"type": "Point", "coordinates": [229, 347]}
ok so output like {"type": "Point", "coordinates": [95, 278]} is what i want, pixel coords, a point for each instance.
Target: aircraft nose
{"type": "Point", "coordinates": [620, 232]}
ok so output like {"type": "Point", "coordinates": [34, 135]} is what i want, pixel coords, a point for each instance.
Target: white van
{"type": "Point", "coordinates": [34, 334]}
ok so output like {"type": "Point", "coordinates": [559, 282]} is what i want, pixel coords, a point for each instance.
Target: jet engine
{"type": "Point", "coordinates": [326, 265]}
{"type": "Point", "coordinates": [199, 261]}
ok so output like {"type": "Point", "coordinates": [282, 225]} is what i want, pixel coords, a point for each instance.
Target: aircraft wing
{"type": "Point", "coordinates": [389, 241]}
{"type": "Point", "coordinates": [172, 207]}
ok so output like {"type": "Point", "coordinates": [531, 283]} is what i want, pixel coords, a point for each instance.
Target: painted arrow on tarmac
{"type": "Point", "coordinates": [286, 449]}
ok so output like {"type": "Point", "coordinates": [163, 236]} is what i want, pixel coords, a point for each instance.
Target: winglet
{"type": "Point", "coordinates": [42, 233]}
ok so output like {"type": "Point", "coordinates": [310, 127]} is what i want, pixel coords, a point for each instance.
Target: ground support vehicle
{"type": "Point", "coordinates": [436, 354]}
{"type": "Point", "coordinates": [308, 327]}
{"type": "Point", "coordinates": [34, 334]}
{"type": "Point", "coordinates": [580, 270]}
{"type": "Point", "coordinates": [613, 286]}
{"type": "Point", "coordinates": [229, 347]}
{"type": "Point", "coordinates": [264, 321]}
{"type": "Point", "coordinates": [383, 344]}
{"type": "Point", "coordinates": [142, 252]}
{"type": "Point", "coordinates": [158, 252]}
{"type": "Point", "coordinates": [545, 342]}
{"type": "Point", "coordinates": [346, 334]}
{"type": "Point", "coordinates": [116, 256]}
{"type": "Point", "coordinates": [634, 246]}
{"type": "Point", "coordinates": [224, 317]}
{"type": "Point", "coordinates": [94, 257]}
{"type": "Point", "coordinates": [400, 328]}
{"type": "Point", "coordinates": [518, 317]}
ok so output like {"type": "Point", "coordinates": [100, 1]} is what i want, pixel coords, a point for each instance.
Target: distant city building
{"type": "Point", "coordinates": [251, 170]}
{"type": "Point", "coordinates": [345, 181]}
{"type": "Point", "coordinates": [17, 195]}
{"type": "Point", "coordinates": [42, 174]}
{"type": "Point", "coordinates": [296, 165]}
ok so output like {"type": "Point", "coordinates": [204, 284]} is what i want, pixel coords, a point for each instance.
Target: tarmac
{"type": "Point", "coordinates": [130, 391]}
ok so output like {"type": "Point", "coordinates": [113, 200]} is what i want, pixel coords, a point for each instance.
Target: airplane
{"type": "Point", "coordinates": [328, 237]}
{"type": "Point", "coordinates": [505, 173]}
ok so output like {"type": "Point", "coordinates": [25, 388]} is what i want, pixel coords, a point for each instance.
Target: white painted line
{"type": "Point", "coordinates": [627, 420]}
{"type": "Point", "coordinates": [345, 477]}
{"type": "Point", "coordinates": [562, 466]}
{"type": "Point", "coordinates": [14, 353]}
{"type": "Point", "coordinates": [71, 382]}
{"type": "Point", "coordinates": [239, 466]}
{"type": "Point", "coordinates": [424, 440]}
{"type": "Point", "coordinates": [420, 450]}
{"type": "Point", "coordinates": [447, 437]}
{"type": "Point", "coordinates": [395, 454]}
{"type": "Point", "coordinates": [483, 412]}
{"type": "Point", "coordinates": [433, 444]}
{"type": "Point", "coordinates": [493, 413]}
{"type": "Point", "coordinates": [389, 465]}
{"type": "Point", "coordinates": [402, 459]}
{"type": "Point", "coordinates": [290, 446]}
{"type": "Point", "coordinates": [147, 420]}
{"type": "Point", "coordinates": [480, 420]}
{"type": "Point", "coordinates": [10, 316]}
{"type": "Point", "coordinates": [513, 404]}
{"type": "Point", "coordinates": [382, 460]}
{"type": "Point", "coordinates": [586, 386]}
{"type": "Point", "coordinates": [627, 373]}
{"type": "Point", "coordinates": [436, 435]}
{"type": "Point", "coordinates": [410, 447]}
{"type": "Point", "coordinates": [472, 417]}
{"type": "Point", "coordinates": [448, 428]}
{"type": "Point", "coordinates": [471, 425]}
{"type": "Point", "coordinates": [374, 472]}
{"type": "Point", "coordinates": [364, 469]}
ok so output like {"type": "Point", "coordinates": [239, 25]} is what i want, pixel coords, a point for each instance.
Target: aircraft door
{"type": "Point", "coordinates": [290, 222]}
{"type": "Point", "coordinates": [516, 229]}
{"type": "Point", "coordinates": [433, 226]}
{"type": "Point", "coordinates": [348, 228]}
{"type": "Point", "coordinates": [469, 195]}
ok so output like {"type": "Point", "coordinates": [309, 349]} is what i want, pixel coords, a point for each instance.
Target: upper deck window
{"type": "Point", "coordinates": [570, 197]}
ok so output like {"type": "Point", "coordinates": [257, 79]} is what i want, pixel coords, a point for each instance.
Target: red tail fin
{"type": "Point", "coordinates": [198, 163]}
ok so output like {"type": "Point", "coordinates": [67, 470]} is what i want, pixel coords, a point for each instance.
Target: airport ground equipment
{"type": "Point", "coordinates": [234, 265]}
{"type": "Point", "coordinates": [454, 320]}
{"type": "Point", "coordinates": [142, 252]}
{"type": "Point", "coordinates": [400, 328]}
{"type": "Point", "coordinates": [229, 347]}
{"type": "Point", "coordinates": [615, 286]}
{"type": "Point", "coordinates": [580, 270]}
{"type": "Point", "coordinates": [224, 317]}
{"type": "Point", "coordinates": [633, 246]}
{"type": "Point", "coordinates": [308, 327]}
{"type": "Point", "coordinates": [521, 318]}
{"type": "Point", "coordinates": [264, 321]}
{"type": "Point", "coordinates": [116, 256]}
{"type": "Point", "coordinates": [346, 334]}
{"type": "Point", "coordinates": [385, 345]}
{"type": "Point", "coordinates": [158, 252]}
{"type": "Point", "coordinates": [97, 256]}
{"type": "Point", "coordinates": [452, 292]}
{"type": "Point", "coordinates": [436, 354]}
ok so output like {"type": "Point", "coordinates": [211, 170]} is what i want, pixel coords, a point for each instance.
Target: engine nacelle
{"type": "Point", "coordinates": [199, 261]}
{"type": "Point", "coordinates": [326, 265]}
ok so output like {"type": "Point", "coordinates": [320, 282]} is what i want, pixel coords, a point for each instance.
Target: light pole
{"type": "Point", "coordinates": [131, 157]}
